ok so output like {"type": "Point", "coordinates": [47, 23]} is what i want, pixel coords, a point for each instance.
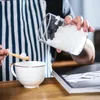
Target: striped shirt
{"type": "Point", "coordinates": [19, 23]}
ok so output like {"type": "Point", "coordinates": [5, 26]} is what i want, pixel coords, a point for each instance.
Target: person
{"type": "Point", "coordinates": [19, 24]}
{"type": "Point", "coordinates": [64, 10]}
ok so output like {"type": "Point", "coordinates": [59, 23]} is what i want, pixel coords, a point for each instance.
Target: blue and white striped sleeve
{"type": "Point", "coordinates": [67, 9]}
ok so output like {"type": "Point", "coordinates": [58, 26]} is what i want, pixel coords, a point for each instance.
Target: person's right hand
{"type": "Point", "coordinates": [3, 54]}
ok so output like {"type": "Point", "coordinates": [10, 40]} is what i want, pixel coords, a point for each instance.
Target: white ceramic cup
{"type": "Point", "coordinates": [30, 73]}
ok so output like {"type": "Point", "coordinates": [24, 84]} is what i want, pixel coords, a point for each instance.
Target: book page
{"type": "Point", "coordinates": [88, 79]}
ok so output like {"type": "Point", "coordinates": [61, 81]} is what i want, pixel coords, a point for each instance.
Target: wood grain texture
{"type": "Point", "coordinates": [64, 64]}
{"type": "Point", "coordinates": [50, 89]}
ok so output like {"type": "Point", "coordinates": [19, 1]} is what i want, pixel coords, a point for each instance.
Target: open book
{"type": "Point", "coordinates": [83, 79]}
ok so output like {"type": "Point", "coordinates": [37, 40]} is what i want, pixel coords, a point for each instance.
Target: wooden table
{"type": "Point", "coordinates": [59, 64]}
{"type": "Point", "coordinates": [50, 89]}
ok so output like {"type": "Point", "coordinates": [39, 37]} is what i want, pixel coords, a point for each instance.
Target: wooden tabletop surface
{"type": "Point", "coordinates": [50, 89]}
{"type": "Point", "coordinates": [60, 64]}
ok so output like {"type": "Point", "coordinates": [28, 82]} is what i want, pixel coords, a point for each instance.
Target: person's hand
{"type": "Point", "coordinates": [3, 54]}
{"type": "Point", "coordinates": [79, 22]}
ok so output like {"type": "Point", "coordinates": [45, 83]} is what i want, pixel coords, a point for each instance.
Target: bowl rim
{"type": "Point", "coordinates": [42, 64]}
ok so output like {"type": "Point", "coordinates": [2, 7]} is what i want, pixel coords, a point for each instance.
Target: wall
{"type": "Point", "coordinates": [89, 9]}
{"type": "Point", "coordinates": [91, 12]}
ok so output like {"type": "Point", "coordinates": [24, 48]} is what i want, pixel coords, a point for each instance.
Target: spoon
{"type": "Point", "coordinates": [20, 56]}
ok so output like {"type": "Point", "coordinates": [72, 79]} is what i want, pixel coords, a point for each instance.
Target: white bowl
{"type": "Point", "coordinates": [30, 74]}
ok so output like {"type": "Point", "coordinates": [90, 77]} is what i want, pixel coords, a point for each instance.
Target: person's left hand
{"type": "Point", "coordinates": [79, 22]}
